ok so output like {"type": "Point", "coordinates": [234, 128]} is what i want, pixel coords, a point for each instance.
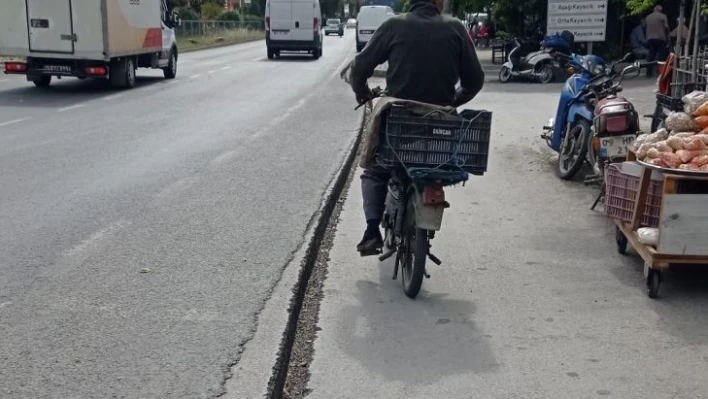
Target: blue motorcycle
{"type": "Point", "coordinates": [568, 133]}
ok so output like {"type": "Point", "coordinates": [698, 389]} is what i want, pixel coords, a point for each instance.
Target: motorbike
{"type": "Point", "coordinates": [568, 133]}
{"type": "Point", "coordinates": [616, 122]}
{"type": "Point", "coordinates": [415, 200]}
{"type": "Point", "coordinates": [539, 65]}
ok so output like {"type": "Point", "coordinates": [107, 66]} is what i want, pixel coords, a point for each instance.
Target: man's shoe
{"type": "Point", "coordinates": [371, 243]}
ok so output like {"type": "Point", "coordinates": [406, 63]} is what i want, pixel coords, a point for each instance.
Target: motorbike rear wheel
{"type": "Point", "coordinates": [545, 73]}
{"type": "Point", "coordinates": [505, 74]}
{"type": "Point", "coordinates": [573, 150]}
{"type": "Point", "coordinates": [414, 252]}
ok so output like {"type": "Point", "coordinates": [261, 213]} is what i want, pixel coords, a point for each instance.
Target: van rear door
{"type": "Point", "coordinates": [50, 26]}
{"type": "Point", "coordinates": [280, 19]}
{"type": "Point", "coordinates": [304, 19]}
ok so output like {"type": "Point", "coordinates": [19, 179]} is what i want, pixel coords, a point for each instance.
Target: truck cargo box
{"type": "Point", "coordinates": [81, 29]}
{"type": "Point", "coordinates": [88, 39]}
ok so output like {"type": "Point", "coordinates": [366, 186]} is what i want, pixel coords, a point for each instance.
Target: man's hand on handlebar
{"type": "Point", "coordinates": [364, 97]}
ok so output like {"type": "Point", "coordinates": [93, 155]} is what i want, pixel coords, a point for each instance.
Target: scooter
{"type": "Point", "coordinates": [575, 131]}
{"type": "Point", "coordinates": [568, 133]}
{"type": "Point", "coordinates": [539, 65]}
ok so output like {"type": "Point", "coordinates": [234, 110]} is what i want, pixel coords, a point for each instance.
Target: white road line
{"type": "Point", "coordinates": [71, 107]}
{"type": "Point", "coordinates": [225, 68]}
{"type": "Point", "coordinates": [4, 80]}
{"type": "Point", "coordinates": [212, 71]}
{"type": "Point", "coordinates": [12, 122]}
{"type": "Point", "coordinates": [195, 76]}
{"type": "Point", "coordinates": [341, 66]}
{"type": "Point", "coordinates": [258, 59]}
{"type": "Point", "coordinates": [113, 97]}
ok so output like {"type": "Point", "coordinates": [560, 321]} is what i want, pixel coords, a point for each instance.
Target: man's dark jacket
{"type": "Point", "coordinates": [427, 54]}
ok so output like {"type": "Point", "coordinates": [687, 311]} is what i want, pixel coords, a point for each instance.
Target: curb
{"type": "Point", "coordinates": [280, 369]}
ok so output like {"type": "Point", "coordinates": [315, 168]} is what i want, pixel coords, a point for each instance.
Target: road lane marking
{"type": "Point", "coordinates": [225, 68]}
{"type": "Point", "coordinates": [71, 107]}
{"type": "Point", "coordinates": [195, 76]}
{"type": "Point", "coordinates": [113, 97]}
{"type": "Point", "coordinates": [259, 59]}
{"type": "Point", "coordinates": [12, 122]}
{"type": "Point", "coordinates": [212, 71]}
{"type": "Point", "coordinates": [4, 80]}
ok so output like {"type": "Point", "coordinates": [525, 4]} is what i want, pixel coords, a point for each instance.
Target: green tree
{"type": "Point", "coordinates": [211, 11]}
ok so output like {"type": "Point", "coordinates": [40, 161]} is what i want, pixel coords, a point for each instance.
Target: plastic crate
{"type": "Point", "coordinates": [674, 104]}
{"type": "Point", "coordinates": [445, 144]}
{"type": "Point", "coordinates": [620, 196]}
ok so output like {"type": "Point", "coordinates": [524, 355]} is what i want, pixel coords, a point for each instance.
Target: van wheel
{"type": "Point", "coordinates": [317, 53]}
{"type": "Point", "coordinates": [359, 47]}
{"type": "Point", "coordinates": [42, 81]}
{"type": "Point", "coordinates": [122, 73]}
{"type": "Point", "coordinates": [170, 71]}
{"type": "Point", "coordinates": [271, 54]}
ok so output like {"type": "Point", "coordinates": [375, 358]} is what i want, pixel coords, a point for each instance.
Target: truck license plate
{"type": "Point", "coordinates": [280, 32]}
{"type": "Point", "coordinates": [616, 146]}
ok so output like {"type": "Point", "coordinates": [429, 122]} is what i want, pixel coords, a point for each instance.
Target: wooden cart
{"type": "Point", "coordinates": [683, 226]}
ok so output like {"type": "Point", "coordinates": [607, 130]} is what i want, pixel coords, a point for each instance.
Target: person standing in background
{"type": "Point", "coordinates": [657, 37]}
{"type": "Point", "coordinates": [638, 40]}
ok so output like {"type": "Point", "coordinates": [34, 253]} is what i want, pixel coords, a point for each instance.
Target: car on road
{"type": "Point", "coordinates": [293, 25]}
{"type": "Point", "coordinates": [369, 19]}
{"type": "Point", "coordinates": [334, 27]}
{"type": "Point", "coordinates": [351, 23]}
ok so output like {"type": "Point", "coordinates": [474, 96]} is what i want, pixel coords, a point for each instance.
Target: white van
{"type": "Point", "coordinates": [368, 20]}
{"type": "Point", "coordinates": [293, 25]}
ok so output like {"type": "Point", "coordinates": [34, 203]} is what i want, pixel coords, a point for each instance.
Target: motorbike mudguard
{"type": "Point", "coordinates": [427, 217]}
{"type": "Point", "coordinates": [508, 64]}
{"type": "Point", "coordinates": [537, 58]}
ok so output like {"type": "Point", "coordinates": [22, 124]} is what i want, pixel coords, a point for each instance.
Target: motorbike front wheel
{"type": "Point", "coordinates": [505, 74]}
{"type": "Point", "coordinates": [573, 150]}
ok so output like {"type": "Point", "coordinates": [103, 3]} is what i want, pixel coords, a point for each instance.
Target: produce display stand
{"type": "Point", "coordinates": [683, 224]}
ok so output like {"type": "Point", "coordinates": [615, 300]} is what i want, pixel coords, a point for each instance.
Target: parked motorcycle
{"type": "Point", "coordinates": [539, 65]}
{"type": "Point", "coordinates": [568, 133]}
{"type": "Point", "coordinates": [616, 123]}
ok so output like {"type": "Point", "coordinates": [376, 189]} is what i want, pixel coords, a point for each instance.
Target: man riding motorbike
{"type": "Point", "coordinates": [427, 55]}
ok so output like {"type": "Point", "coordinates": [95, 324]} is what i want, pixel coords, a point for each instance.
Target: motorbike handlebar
{"type": "Point", "coordinates": [376, 92]}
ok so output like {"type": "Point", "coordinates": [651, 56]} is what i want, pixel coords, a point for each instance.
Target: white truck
{"type": "Point", "coordinates": [88, 38]}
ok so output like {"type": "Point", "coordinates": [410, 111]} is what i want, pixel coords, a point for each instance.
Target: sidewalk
{"type": "Point", "coordinates": [531, 301]}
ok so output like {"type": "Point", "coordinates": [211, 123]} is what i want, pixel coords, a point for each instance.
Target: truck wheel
{"type": "Point", "coordinates": [271, 54]}
{"type": "Point", "coordinates": [122, 73]}
{"type": "Point", "coordinates": [42, 81]}
{"type": "Point", "coordinates": [171, 70]}
{"type": "Point", "coordinates": [316, 53]}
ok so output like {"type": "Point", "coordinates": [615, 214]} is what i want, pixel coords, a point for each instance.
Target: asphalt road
{"type": "Point", "coordinates": [532, 299]}
{"type": "Point", "coordinates": [142, 231]}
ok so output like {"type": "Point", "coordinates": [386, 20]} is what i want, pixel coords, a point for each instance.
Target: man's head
{"type": "Point", "coordinates": [437, 3]}
{"type": "Point", "coordinates": [658, 9]}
